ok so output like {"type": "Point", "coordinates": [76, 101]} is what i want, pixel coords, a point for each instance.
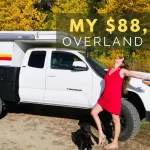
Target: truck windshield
{"type": "Point", "coordinates": [98, 63]}
{"type": "Point", "coordinates": [95, 61]}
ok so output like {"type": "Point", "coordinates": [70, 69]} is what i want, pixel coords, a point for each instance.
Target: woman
{"type": "Point", "coordinates": [116, 79]}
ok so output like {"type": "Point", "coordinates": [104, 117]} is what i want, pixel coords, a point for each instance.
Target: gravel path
{"type": "Point", "coordinates": [50, 128]}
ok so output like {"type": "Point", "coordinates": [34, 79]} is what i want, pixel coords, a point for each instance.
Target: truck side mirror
{"type": "Point", "coordinates": [80, 66]}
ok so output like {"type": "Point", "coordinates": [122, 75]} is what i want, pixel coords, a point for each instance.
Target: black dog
{"type": "Point", "coordinates": [82, 137]}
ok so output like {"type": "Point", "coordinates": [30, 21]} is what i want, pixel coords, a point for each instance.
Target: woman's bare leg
{"type": "Point", "coordinates": [114, 144]}
{"type": "Point", "coordinates": [95, 111]}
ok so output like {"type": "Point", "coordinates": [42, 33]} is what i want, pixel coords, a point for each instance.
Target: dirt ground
{"type": "Point", "coordinates": [50, 128]}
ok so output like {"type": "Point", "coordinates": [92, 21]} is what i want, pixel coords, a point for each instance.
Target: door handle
{"type": "Point", "coordinates": [51, 76]}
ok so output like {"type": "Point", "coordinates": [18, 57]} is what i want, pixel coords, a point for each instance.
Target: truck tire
{"type": "Point", "coordinates": [130, 121]}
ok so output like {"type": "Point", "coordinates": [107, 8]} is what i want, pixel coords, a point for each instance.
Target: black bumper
{"type": "Point", "coordinates": [148, 115]}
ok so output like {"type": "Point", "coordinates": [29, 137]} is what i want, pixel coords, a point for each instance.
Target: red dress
{"type": "Point", "coordinates": [111, 97]}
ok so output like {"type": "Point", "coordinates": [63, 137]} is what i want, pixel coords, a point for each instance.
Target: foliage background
{"type": "Point", "coordinates": [33, 15]}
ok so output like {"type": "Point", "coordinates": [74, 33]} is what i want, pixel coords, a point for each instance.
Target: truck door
{"type": "Point", "coordinates": [32, 76]}
{"type": "Point", "coordinates": [64, 85]}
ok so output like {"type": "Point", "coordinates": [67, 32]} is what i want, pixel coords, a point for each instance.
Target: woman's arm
{"type": "Point", "coordinates": [128, 73]}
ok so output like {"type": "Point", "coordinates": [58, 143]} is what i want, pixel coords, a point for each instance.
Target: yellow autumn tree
{"type": "Point", "coordinates": [140, 58]}
{"type": "Point", "coordinates": [68, 7]}
{"type": "Point", "coordinates": [125, 6]}
{"type": "Point", "coordinates": [21, 15]}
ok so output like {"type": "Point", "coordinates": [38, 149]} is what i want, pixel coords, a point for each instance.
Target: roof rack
{"type": "Point", "coordinates": [41, 36]}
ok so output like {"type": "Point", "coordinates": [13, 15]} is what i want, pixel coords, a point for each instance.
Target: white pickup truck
{"type": "Point", "coordinates": [32, 71]}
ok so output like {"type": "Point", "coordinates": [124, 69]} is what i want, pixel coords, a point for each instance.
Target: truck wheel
{"type": "Point", "coordinates": [130, 122]}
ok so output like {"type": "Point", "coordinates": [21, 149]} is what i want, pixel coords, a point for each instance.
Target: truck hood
{"type": "Point", "coordinates": [143, 73]}
{"type": "Point", "coordinates": [134, 82]}
{"type": "Point", "coordinates": [137, 84]}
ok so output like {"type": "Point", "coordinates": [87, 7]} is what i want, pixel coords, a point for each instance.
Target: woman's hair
{"type": "Point", "coordinates": [126, 79]}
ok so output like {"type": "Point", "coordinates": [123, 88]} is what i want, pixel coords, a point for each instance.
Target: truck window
{"type": "Point", "coordinates": [63, 60]}
{"type": "Point", "coordinates": [37, 59]}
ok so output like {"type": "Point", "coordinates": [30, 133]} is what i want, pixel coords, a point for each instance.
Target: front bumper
{"type": "Point", "coordinates": [148, 115]}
